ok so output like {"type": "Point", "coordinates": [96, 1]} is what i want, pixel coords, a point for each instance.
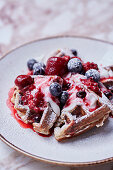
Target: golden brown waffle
{"type": "Point", "coordinates": [77, 116]}
{"type": "Point", "coordinates": [51, 109]}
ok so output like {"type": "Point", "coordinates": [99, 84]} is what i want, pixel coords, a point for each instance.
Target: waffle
{"type": "Point", "coordinates": [50, 109]}
{"type": "Point", "coordinates": [79, 115]}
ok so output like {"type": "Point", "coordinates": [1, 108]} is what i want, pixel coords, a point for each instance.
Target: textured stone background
{"type": "Point", "coordinates": [26, 20]}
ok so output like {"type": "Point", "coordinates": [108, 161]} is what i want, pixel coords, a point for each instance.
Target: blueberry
{"type": "Point", "coordinates": [55, 89]}
{"type": "Point", "coordinates": [74, 65]}
{"type": "Point", "coordinates": [74, 52]}
{"type": "Point", "coordinates": [94, 74]}
{"type": "Point", "coordinates": [39, 69]}
{"type": "Point", "coordinates": [30, 64]}
{"type": "Point", "coordinates": [81, 94]}
{"type": "Point", "coordinates": [64, 97]}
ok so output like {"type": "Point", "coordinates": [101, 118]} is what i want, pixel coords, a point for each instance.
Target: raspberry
{"type": "Point", "coordinates": [79, 88]}
{"type": "Point", "coordinates": [26, 97]}
{"type": "Point", "coordinates": [92, 85]}
{"type": "Point", "coordinates": [23, 81]}
{"type": "Point", "coordinates": [89, 65]}
{"type": "Point", "coordinates": [39, 98]}
{"type": "Point", "coordinates": [57, 66]}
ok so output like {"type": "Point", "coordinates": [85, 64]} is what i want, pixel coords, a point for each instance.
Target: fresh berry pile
{"type": "Point", "coordinates": [64, 64]}
{"type": "Point", "coordinates": [60, 66]}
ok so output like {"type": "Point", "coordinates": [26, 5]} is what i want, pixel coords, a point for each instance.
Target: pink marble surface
{"type": "Point", "coordinates": [27, 20]}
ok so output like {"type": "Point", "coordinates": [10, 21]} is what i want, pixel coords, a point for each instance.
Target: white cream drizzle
{"type": "Point", "coordinates": [91, 97]}
{"type": "Point", "coordinates": [45, 90]}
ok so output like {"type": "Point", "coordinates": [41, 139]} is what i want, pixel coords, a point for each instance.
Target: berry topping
{"type": "Point", "coordinates": [75, 65]}
{"type": "Point", "coordinates": [74, 52]}
{"type": "Point", "coordinates": [55, 89]}
{"type": "Point", "coordinates": [57, 66]}
{"type": "Point", "coordinates": [30, 64]}
{"type": "Point", "coordinates": [94, 74]}
{"type": "Point", "coordinates": [92, 85]}
{"type": "Point", "coordinates": [64, 97]}
{"type": "Point", "coordinates": [39, 98]}
{"type": "Point", "coordinates": [109, 95]}
{"type": "Point", "coordinates": [39, 69]}
{"type": "Point", "coordinates": [87, 66]}
{"type": "Point", "coordinates": [35, 102]}
{"type": "Point", "coordinates": [23, 81]}
{"type": "Point", "coordinates": [26, 97]}
{"type": "Point", "coordinates": [81, 94]}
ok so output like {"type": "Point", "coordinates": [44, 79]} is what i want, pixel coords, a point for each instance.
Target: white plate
{"type": "Point", "coordinates": [95, 146]}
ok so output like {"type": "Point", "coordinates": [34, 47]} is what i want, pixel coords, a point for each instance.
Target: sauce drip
{"type": "Point", "coordinates": [18, 119]}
